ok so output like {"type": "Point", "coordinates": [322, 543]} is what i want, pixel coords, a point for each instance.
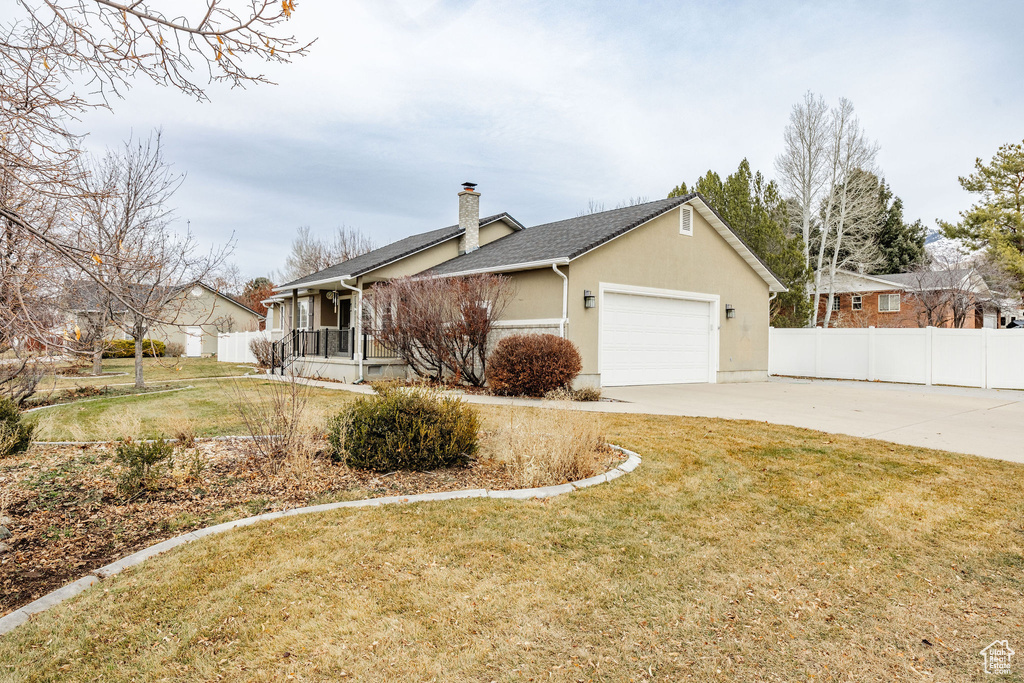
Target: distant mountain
{"type": "Point", "coordinates": [945, 250]}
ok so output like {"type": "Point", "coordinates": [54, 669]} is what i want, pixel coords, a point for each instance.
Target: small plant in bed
{"type": "Point", "coordinates": [405, 429]}
{"type": "Point", "coordinates": [143, 465]}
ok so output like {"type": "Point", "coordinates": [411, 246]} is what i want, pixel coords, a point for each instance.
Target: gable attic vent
{"type": "Point", "coordinates": [686, 220]}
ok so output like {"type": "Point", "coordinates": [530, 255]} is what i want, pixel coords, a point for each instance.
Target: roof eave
{"type": "Point", "coordinates": [525, 265]}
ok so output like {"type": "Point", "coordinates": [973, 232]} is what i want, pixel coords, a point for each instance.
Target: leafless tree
{"type": "Point", "coordinates": [224, 324]}
{"type": "Point", "coordinates": [849, 217]}
{"type": "Point", "coordinates": [311, 254]}
{"type": "Point", "coordinates": [145, 271]}
{"type": "Point", "coordinates": [827, 168]}
{"type": "Point", "coordinates": [802, 166]}
{"type": "Point", "coordinates": [61, 58]}
{"type": "Point", "coordinates": [227, 279]}
{"type": "Point", "coordinates": [29, 279]}
{"type": "Point", "coordinates": [594, 206]}
{"type": "Point", "coordinates": [949, 290]}
{"type": "Point", "coordinates": [441, 325]}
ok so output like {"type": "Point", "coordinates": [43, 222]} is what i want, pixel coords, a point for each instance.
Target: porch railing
{"type": "Point", "coordinates": [325, 343]}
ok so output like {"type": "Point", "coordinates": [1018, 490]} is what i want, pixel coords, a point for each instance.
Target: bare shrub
{"type": "Point", "coordinates": [586, 394]}
{"type": "Point", "coordinates": [262, 348]}
{"type": "Point", "coordinates": [174, 350]}
{"type": "Point", "coordinates": [441, 325]}
{"type": "Point", "coordinates": [183, 429]}
{"type": "Point", "coordinates": [567, 394]}
{"type": "Point", "coordinates": [544, 447]}
{"type": "Point", "coordinates": [20, 378]}
{"type": "Point", "coordinates": [193, 465]}
{"type": "Point", "coordinates": [274, 414]}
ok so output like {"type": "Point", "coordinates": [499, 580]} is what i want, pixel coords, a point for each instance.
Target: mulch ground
{"type": "Point", "coordinates": [67, 519]}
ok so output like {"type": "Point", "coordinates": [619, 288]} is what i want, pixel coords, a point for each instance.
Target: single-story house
{"type": "Point", "coordinates": [656, 293]}
{"type": "Point", "coordinates": [920, 299]}
{"type": "Point", "coordinates": [194, 316]}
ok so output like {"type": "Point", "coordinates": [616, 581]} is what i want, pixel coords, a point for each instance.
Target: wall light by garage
{"type": "Point", "coordinates": [589, 300]}
{"type": "Point", "coordinates": [730, 312]}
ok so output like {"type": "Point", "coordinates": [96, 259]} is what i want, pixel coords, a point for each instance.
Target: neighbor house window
{"type": "Point", "coordinates": [835, 302]}
{"type": "Point", "coordinates": [858, 303]}
{"type": "Point", "coordinates": [685, 220]}
{"type": "Point", "coordinates": [303, 314]}
{"type": "Point", "coordinates": [888, 303]}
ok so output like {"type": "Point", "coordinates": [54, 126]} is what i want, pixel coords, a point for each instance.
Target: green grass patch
{"type": "Point", "coordinates": [737, 551]}
{"type": "Point", "coordinates": [207, 405]}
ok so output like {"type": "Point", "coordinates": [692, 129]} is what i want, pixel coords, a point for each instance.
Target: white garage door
{"type": "Point", "coordinates": [654, 340]}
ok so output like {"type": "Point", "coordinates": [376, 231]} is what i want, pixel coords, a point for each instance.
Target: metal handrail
{"type": "Point", "coordinates": [326, 343]}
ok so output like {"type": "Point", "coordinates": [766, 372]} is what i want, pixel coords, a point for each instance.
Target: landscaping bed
{"type": "Point", "coordinates": [67, 517]}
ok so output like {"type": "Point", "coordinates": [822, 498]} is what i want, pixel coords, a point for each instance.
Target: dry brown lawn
{"type": "Point", "coordinates": [738, 551]}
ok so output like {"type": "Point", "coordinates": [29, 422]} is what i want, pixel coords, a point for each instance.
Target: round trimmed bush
{"type": "Point", "coordinates": [404, 429]}
{"type": "Point", "coordinates": [532, 364]}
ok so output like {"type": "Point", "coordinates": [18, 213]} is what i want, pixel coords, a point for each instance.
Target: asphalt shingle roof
{"type": "Point", "coordinates": [562, 239]}
{"type": "Point", "coordinates": [936, 279]}
{"type": "Point", "coordinates": [387, 254]}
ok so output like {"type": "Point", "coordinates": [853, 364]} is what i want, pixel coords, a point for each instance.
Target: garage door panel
{"type": "Point", "coordinates": [654, 340]}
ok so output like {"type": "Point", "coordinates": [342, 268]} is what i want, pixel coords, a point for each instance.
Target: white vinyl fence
{"type": "Point", "coordinates": [991, 359]}
{"type": "Point", "coordinates": [233, 347]}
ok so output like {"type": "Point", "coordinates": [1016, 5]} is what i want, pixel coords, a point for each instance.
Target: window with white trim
{"type": "Point", "coordinates": [857, 303]}
{"type": "Point", "coordinates": [686, 220]}
{"type": "Point", "coordinates": [835, 302]}
{"type": "Point", "coordinates": [303, 314]}
{"type": "Point", "coordinates": [888, 303]}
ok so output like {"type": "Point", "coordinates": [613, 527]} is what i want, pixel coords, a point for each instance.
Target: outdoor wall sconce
{"type": "Point", "coordinates": [589, 300]}
{"type": "Point", "coordinates": [730, 312]}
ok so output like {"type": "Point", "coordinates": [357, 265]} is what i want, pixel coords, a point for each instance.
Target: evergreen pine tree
{"type": "Point", "coordinates": [755, 209]}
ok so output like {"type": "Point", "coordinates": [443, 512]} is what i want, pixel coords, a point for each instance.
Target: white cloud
{"type": "Point", "coordinates": [548, 104]}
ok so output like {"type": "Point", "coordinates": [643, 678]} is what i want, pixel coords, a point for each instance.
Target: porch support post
{"type": "Point", "coordinates": [295, 309]}
{"type": "Point", "coordinates": [357, 341]}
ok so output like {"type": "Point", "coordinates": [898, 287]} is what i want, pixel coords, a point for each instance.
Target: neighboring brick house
{"type": "Point", "coordinates": [911, 300]}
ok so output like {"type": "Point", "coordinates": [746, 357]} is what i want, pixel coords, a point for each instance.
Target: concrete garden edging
{"type": "Point", "coordinates": [19, 616]}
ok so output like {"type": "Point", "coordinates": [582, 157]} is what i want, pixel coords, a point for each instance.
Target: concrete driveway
{"type": "Point", "coordinates": [984, 422]}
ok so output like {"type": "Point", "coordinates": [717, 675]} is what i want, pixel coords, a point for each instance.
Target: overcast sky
{"type": "Point", "coordinates": [548, 105]}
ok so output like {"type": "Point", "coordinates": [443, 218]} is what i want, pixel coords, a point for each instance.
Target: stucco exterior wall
{"type": "Point", "coordinates": [538, 295]}
{"type": "Point", "coordinates": [417, 263]}
{"type": "Point", "coordinates": [656, 255]}
{"type": "Point", "coordinates": [202, 311]}
{"type": "Point", "coordinates": [494, 231]}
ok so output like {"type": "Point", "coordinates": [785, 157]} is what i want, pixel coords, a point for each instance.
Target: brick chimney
{"type": "Point", "coordinates": [469, 218]}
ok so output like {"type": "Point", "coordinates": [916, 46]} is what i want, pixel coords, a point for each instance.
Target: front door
{"type": "Point", "coordinates": [344, 314]}
{"type": "Point", "coordinates": [194, 342]}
